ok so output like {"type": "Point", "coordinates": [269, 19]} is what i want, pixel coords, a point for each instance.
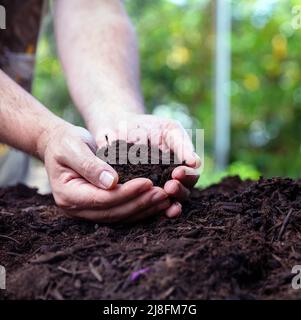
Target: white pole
{"type": "Point", "coordinates": [222, 83]}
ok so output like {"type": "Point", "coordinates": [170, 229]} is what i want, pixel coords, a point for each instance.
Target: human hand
{"type": "Point", "coordinates": [86, 187]}
{"type": "Point", "coordinates": [165, 134]}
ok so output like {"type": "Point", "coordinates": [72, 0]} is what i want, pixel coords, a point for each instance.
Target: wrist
{"type": "Point", "coordinates": [103, 116]}
{"type": "Point", "coordinates": [46, 134]}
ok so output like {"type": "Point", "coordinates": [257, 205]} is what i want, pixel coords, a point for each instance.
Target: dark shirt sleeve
{"type": "Point", "coordinates": [18, 41]}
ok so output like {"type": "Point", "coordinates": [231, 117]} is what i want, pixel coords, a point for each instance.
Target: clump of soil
{"type": "Point", "coordinates": [237, 239]}
{"type": "Point", "coordinates": [150, 161]}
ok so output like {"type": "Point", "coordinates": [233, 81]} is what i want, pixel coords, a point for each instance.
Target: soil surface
{"type": "Point", "coordinates": [235, 240]}
{"type": "Point", "coordinates": [121, 154]}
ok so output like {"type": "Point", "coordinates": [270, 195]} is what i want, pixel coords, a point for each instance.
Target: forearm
{"type": "Point", "coordinates": [98, 50]}
{"type": "Point", "coordinates": [24, 122]}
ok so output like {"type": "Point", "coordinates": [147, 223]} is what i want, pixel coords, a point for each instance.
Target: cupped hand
{"type": "Point", "coordinates": [87, 187]}
{"type": "Point", "coordinates": [165, 134]}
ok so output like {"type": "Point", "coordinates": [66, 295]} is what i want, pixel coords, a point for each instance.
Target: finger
{"type": "Point", "coordinates": [124, 193]}
{"type": "Point", "coordinates": [82, 194]}
{"type": "Point", "coordinates": [187, 176]}
{"type": "Point", "coordinates": [122, 213]}
{"type": "Point", "coordinates": [82, 160]}
{"type": "Point", "coordinates": [144, 202]}
{"type": "Point", "coordinates": [175, 189]}
{"type": "Point", "coordinates": [153, 211]}
{"type": "Point", "coordinates": [179, 141]}
{"type": "Point", "coordinates": [174, 210]}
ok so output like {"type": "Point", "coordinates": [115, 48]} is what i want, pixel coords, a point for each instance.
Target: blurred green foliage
{"type": "Point", "coordinates": [176, 40]}
{"type": "Point", "coordinates": [266, 94]}
{"type": "Point", "coordinates": [237, 168]}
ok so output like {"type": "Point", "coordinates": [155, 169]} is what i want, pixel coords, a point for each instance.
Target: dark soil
{"type": "Point", "coordinates": [121, 151]}
{"type": "Point", "coordinates": [235, 240]}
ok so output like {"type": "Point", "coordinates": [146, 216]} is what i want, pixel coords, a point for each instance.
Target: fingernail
{"type": "Point", "coordinates": [159, 197]}
{"type": "Point", "coordinates": [198, 161]}
{"type": "Point", "coordinates": [176, 213]}
{"type": "Point", "coordinates": [106, 179]}
{"type": "Point", "coordinates": [178, 204]}
{"type": "Point", "coordinates": [175, 188]}
{"type": "Point", "coordinates": [191, 171]}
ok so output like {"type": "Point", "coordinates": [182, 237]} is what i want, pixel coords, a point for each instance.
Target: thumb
{"type": "Point", "coordinates": [93, 169]}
